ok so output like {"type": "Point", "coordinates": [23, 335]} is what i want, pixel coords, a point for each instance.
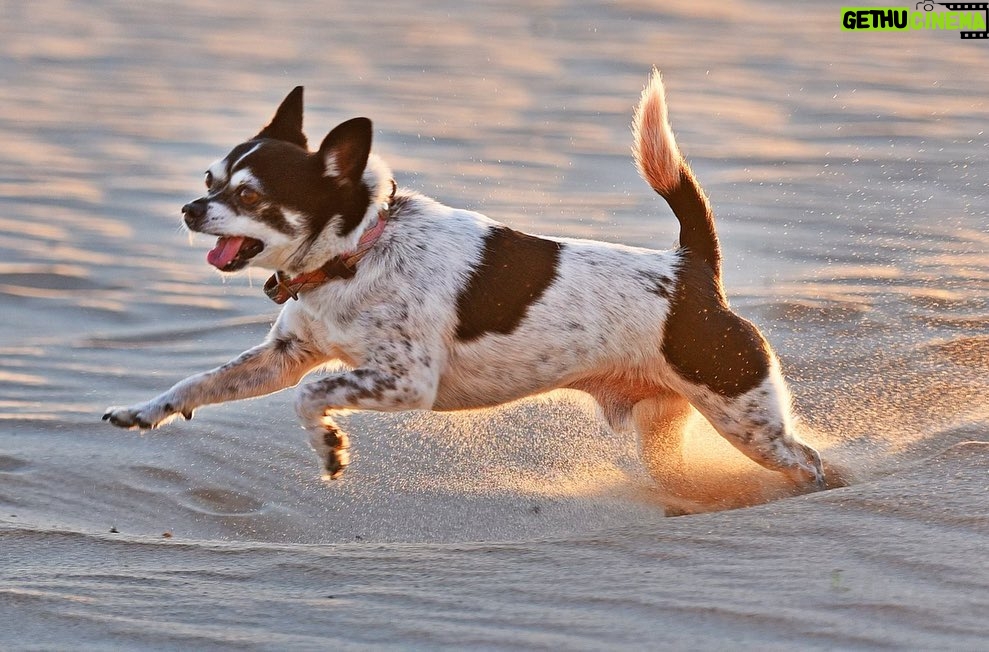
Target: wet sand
{"type": "Point", "coordinates": [848, 172]}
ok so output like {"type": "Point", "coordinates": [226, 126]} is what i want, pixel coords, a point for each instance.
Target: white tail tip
{"type": "Point", "coordinates": [656, 153]}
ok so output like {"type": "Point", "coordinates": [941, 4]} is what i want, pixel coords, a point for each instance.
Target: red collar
{"type": "Point", "coordinates": [280, 289]}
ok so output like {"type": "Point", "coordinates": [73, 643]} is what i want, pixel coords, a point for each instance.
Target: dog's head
{"type": "Point", "coordinates": [273, 203]}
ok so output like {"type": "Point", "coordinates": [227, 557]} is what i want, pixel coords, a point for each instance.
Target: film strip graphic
{"type": "Point", "coordinates": [970, 6]}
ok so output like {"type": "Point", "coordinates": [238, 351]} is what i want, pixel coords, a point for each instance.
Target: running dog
{"type": "Point", "coordinates": [427, 307]}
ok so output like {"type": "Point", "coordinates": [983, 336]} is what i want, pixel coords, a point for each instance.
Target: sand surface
{"type": "Point", "coordinates": [849, 174]}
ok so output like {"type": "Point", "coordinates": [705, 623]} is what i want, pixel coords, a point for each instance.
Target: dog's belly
{"type": "Point", "coordinates": [498, 370]}
{"type": "Point", "coordinates": [479, 388]}
{"type": "Point", "coordinates": [479, 376]}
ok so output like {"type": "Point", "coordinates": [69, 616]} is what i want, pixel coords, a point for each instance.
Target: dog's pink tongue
{"type": "Point", "coordinates": [224, 252]}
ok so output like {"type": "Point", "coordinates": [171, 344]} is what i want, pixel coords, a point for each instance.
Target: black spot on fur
{"type": "Point", "coordinates": [285, 344]}
{"type": "Point", "coordinates": [330, 438]}
{"type": "Point", "coordinates": [402, 205]}
{"type": "Point", "coordinates": [514, 271]}
{"type": "Point", "coordinates": [705, 342]}
{"type": "Point", "coordinates": [327, 385]}
{"type": "Point", "coordinates": [658, 284]}
{"type": "Point", "coordinates": [273, 217]}
{"type": "Point", "coordinates": [360, 384]}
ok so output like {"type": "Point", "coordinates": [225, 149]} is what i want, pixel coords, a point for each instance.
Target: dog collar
{"type": "Point", "coordinates": [280, 289]}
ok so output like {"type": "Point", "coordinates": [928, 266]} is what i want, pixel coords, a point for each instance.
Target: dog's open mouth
{"type": "Point", "coordinates": [233, 252]}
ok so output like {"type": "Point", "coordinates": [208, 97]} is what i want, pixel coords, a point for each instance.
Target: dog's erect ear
{"type": "Point", "coordinates": [287, 123]}
{"type": "Point", "coordinates": [346, 148]}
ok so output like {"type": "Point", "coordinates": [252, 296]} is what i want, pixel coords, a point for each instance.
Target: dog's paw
{"type": "Point", "coordinates": [332, 446]}
{"type": "Point", "coordinates": [143, 416]}
{"type": "Point", "coordinates": [806, 469]}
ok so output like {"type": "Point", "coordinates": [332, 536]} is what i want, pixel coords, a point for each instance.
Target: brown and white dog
{"type": "Point", "coordinates": [433, 308]}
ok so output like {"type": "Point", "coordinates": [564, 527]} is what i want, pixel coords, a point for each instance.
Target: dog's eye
{"type": "Point", "coordinates": [248, 196]}
{"type": "Point", "coordinates": [209, 180]}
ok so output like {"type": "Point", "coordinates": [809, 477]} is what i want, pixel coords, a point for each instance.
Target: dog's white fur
{"type": "Point", "coordinates": [393, 327]}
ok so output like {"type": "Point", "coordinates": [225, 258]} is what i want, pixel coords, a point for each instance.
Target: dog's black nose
{"type": "Point", "coordinates": [194, 211]}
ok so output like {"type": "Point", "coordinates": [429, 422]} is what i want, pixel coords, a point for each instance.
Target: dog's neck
{"type": "Point", "coordinates": [280, 287]}
{"type": "Point", "coordinates": [328, 243]}
{"type": "Point", "coordinates": [334, 257]}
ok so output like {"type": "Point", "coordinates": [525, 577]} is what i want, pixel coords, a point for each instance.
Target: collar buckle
{"type": "Point", "coordinates": [278, 290]}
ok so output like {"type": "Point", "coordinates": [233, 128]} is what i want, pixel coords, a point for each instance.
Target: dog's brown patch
{"type": "Point", "coordinates": [514, 271]}
{"type": "Point", "coordinates": [705, 342]}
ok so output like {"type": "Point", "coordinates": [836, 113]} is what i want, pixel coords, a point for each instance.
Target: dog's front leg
{"type": "Point", "coordinates": [360, 389]}
{"type": "Point", "coordinates": [280, 362]}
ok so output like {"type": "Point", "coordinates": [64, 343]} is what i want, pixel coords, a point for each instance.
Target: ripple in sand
{"type": "Point", "coordinates": [966, 351]}
{"type": "Point", "coordinates": [44, 280]}
{"type": "Point", "coordinates": [9, 464]}
{"type": "Point", "coordinates": [221, 502]}
{"type": "Point", "coordinates": [161, 476]}
{"type": "Point", "coordinates": [809, 310]}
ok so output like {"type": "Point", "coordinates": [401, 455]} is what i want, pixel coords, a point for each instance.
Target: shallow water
{"type": "Point", "coordinates": [848, 172]}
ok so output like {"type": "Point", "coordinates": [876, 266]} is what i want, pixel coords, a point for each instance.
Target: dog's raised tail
{"type": "Point", "coordinates": [662, 166]}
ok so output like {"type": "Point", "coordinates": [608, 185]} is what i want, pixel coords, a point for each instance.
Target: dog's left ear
{"type": "Point", "coordinates": [287, 123]}
{"type": "Point", "coordinates": [345, 150]}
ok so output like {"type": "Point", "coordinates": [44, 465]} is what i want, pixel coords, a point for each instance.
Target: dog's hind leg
{"type": "Point", "coordinates": [729, 373]}
{"type": "Point", "coordinates": [660, 423]}
{"type": "Point", "coordinates": [757, 423]}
